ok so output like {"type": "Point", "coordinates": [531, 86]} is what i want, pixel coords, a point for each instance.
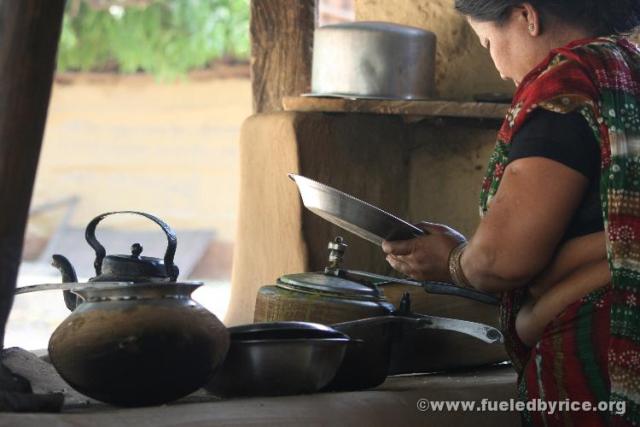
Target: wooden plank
{"type": "Point", "coordinates": [281, 50]}
{"type": "Point", "coordinates": [29, 32]}
{"type": "Point", "coordinates": [477, 110]}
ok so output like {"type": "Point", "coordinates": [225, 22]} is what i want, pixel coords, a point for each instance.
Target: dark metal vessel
{"type": "Point", "coordinates": [136, 337]}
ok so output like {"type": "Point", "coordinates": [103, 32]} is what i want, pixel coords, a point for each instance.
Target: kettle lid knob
{"type": "Point", "coordinates": [136, 250]}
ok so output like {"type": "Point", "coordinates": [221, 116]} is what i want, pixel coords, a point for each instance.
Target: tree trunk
{"type": "Point", "coordinates": [29, 32]}
{"type": "Point", "coordinates": [281, 49]}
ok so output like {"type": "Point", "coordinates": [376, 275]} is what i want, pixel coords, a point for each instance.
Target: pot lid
{"type": "Point", "coordinates": [320, 283]}
{"type": "Point", "coordinates": [284, 330]}
{"type": "Point", "coordinates": [143, 268]}
{"type": "Point", "coordinates": [134, 267]}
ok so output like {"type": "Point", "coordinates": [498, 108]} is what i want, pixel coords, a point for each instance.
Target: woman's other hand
{"type": "Point", "coordinates": [425, 257]}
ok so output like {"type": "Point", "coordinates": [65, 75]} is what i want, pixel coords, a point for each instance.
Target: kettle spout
{"type": "Point", "coordinates": [69, 275]}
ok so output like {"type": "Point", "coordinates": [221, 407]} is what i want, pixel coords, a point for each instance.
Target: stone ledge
{"type": "Point", "coordinates": [416, 109]}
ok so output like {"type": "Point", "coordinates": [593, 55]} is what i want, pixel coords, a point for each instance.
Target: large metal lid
{"type": "Point", "coordinates": [326, 284]}
{"type": "Point", "coordinates": [284, 330]}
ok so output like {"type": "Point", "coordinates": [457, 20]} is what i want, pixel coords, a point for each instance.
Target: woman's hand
{"type": "Point", "coordinates": [425, 257]}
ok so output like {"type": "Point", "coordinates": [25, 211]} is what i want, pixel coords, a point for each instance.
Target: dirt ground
{"type": "Point", "coordinates": [128, 142]}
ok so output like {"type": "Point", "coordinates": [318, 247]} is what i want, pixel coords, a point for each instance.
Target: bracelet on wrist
{"type": "Point", "coordinates": [455, 266]}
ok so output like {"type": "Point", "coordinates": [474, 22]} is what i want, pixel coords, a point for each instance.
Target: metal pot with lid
{"type": "Point", "coordinates": [375, 60]}
{"type": "Point", "coordinates": [339, 295]}
{"type": "Point", "coordinates": [280, 358]}
{"type": "Point", "coordinates": [354, 303]}
{"type": "Point", "coordinates": [322, 297]}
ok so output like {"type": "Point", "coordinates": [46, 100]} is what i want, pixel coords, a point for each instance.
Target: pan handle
{"type": "Point", "coordinates": [440, 288]}
{"type": "Point", "coordinates": [485, 333]}
{"type": "Point", "coordinates": [449, 289]}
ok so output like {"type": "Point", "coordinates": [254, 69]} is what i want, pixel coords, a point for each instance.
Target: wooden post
{"type": "Point", "coordinates": [281, 48]}
{"type": "Point", "coordinates": [29, 32]}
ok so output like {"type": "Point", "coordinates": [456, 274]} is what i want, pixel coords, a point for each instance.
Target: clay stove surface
{"type": "Point", "coordinates": [393, 403]}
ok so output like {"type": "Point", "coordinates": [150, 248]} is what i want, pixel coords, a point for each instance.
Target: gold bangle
{"type": "Point", "coordinates": [455, 267]}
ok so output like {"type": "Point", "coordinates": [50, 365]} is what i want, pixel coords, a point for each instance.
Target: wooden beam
{"type": "Point", "coordinates": [281, 49]}
{"type": "Point", "coordinates": [29, 32]}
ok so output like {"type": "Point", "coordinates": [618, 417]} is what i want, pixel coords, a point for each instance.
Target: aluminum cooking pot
{"type": "Point", "coordinates": [373, 60]}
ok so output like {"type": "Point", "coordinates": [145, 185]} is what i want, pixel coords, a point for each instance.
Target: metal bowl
{"type": "Point", "coordinates": [285, 360]}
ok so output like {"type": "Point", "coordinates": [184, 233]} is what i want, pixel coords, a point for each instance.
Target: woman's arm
{"type": "Point", "coordinates": [515, 240]}
{"type": "Point", "coordinates": [534, 316]}
{"type": "Point", "coordinates": [526, 220]}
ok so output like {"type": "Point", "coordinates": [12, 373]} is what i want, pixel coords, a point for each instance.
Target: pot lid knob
{"type": "Point", "coordinates": [337, 248]}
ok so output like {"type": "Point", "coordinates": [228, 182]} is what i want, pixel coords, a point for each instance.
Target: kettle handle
{"type": "Point", "coordinates": [172, 242]}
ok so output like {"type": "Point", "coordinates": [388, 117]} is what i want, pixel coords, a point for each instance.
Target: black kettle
{"type": "Point", "coordinates": [133, 268]}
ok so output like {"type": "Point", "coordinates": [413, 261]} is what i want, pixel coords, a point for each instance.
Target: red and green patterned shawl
{"type": "Point", "coordinates": [600, 78]}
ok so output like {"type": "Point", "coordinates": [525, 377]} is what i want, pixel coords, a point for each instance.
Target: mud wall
{"type": "Point", "coordinates": [463, 67]}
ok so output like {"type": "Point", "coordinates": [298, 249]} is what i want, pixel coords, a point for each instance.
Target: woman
{"type": "Point", "coordinates": [559, 236]}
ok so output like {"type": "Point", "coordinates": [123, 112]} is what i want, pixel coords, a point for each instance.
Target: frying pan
{"type": "Point", "coordinates": [367, 365]}
{"type": "Point", "coordinates": [352, 214]}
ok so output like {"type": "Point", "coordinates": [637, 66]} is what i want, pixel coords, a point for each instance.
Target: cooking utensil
{"type": "Point", "coordinates": [340, 295]}
{"type": "Point", "coordinates": [429, 286]}
{"type": "Point", "coordinates": [373, 60]}
{"type": "Point", "coordinates": [343, 298]}
{"type": "Point", "coordinates": [136, 337]}
{"type": "Point", "coordinates": [316, 297]}
{"type": "Point", "coordinates": [135, 345]}
{"type": "Point", "coordinates": [431, 346]}
{"type": "Point", "coordinates": [284, 330]}
{"type": "Point", "coordinates": [122, 268]}
{"type": "Point", "coordinates": [56, 287]}
{"type": "Point", "coordinates": [479, 331]}
{"type": "Point", "coordinates": [280, 358]}
{"type": "Point", "coordinates": [352, 214]}
{"type": "Point", "coordinates": [367, 365]}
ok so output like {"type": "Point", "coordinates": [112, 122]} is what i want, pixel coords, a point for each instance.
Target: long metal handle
{"type": "Point", "coordinates": [45, 287]}
{"type": "Point", "coordinates": [482, 332]}
{"type": "Point", "coordinates": [61, 286]}
{"type": "Point", "coordinates": [431, 287]}
{"type": "Point", "coordinates": [449, 289]}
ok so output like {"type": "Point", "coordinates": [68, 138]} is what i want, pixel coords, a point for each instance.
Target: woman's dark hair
{"type": "Point", "coordinates": [603, 16]}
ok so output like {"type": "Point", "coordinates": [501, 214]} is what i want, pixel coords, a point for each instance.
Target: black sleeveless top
{"type": "Point", "coordinates": [567, 139]}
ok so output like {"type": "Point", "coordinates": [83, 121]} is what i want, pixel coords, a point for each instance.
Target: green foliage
{"type": "Point", "coordinates": [166, 38]}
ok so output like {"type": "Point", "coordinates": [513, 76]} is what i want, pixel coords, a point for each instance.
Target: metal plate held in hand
{"type": "Point", "coordinates": [352, 214]}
